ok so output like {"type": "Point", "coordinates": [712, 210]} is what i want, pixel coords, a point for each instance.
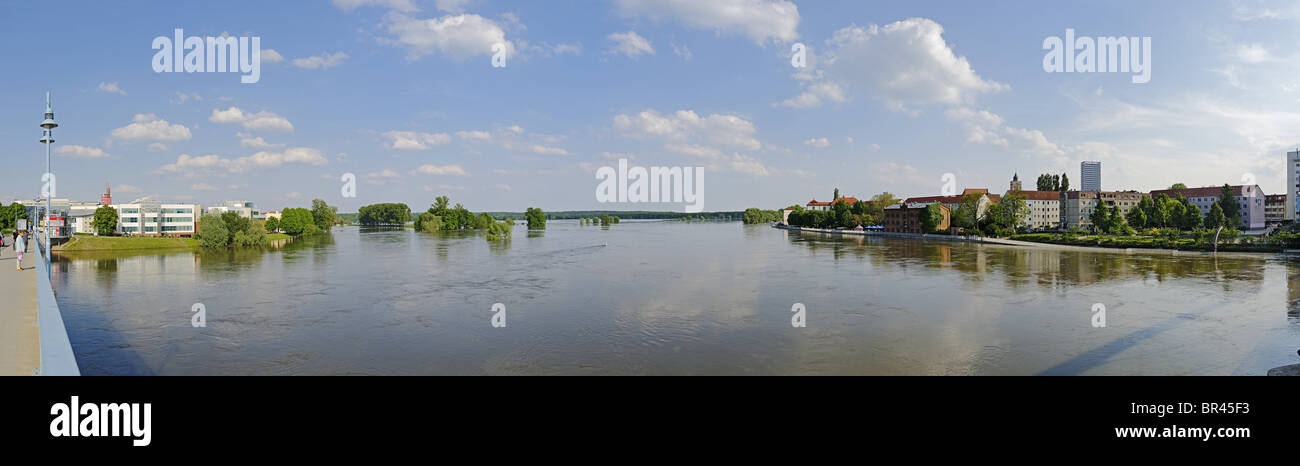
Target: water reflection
{"type": "Point", "coordinates": [675, 298]}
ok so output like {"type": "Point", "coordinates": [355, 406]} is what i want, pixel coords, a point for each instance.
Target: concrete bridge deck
{"type": "Point", "coordinates": [20, 351]}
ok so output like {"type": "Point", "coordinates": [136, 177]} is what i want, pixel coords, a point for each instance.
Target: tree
{"type": "Point", "coordinates": [105, 221]}
{"type": "Point", "coordinates": [876, 208]}
{"type": "Point", "coordinates": [837, 195]}
{"type": "Point", "coordinates": [1228, 202]}
{"type": "Point", "coordinates": [427, 222]}
{"type": "Point", "coordinates": [234, 222]}
{"type": "Point", "coordinates": [297, 221]}
{"type": "Point", "coordinates": [1011, 213]}
{"type": "Point", "coordinates": [968, 214]}
{"type": "Point", "coordinates": [931, 217]}
{"type": "Point", "coordinates": [1137, 218]}
{"type": "Point", "coordinates": [212, 232]}
{"type": "Point", "coordinates": [1045, 183]}
{"type": "Point", "coordinates": [1216, 218]}
{"type": "Point", "coordinates": [1100, 218]}
{"type": "Point", "coordinates": [1178, 186]}
{"type": "Point", "coordinates": [1191, 216]}
{"type": "Point", "coordinates": [394, 214]}
{"type": "Point", "coordinates": [323, 215]}
{"type": "Point", "coordinates": [272, 224]}
{"type": "Point", "coordinates": [1056, 182]}
{"type": "Point", "coordinates": [537, 219]}
{"type": "Point", "coordinates": [1065, 182]}
{"type": "Point", "coordinates": [499, 231]}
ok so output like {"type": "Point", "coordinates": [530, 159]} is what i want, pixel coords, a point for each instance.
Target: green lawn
{"type": "Point", "coordinates": [277, 236]}
{"type": "Point", "coordinates": [115, 243]}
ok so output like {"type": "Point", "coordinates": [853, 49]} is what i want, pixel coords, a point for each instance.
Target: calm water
{"type": "Point", "coordinates": [675, 298]}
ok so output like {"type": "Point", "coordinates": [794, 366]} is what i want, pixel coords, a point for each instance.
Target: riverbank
{"type": "Point", "coordinates": [1111, 247]}
{"type": "Point", "coordinates": [122, 243]}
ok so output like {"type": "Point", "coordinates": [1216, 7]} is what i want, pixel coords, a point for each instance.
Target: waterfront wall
{"type": "Point", "coordinates": [57, 357]}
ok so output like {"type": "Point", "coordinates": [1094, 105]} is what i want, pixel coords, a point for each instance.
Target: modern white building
{"type": "Point", "coordinates": [148, 217]}
{"type": "Point", "coordinates": [1090, 176]}
{"type": "Point", "coordinates": [245, 209]}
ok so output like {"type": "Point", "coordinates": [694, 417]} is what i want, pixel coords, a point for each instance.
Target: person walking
{"type": "Point", "coordinates": [20, 246]}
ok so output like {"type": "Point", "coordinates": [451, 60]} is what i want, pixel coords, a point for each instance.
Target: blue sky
{"type": "Point", "coordinates": [402, 94]}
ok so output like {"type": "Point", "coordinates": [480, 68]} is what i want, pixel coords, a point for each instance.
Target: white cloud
{"type": "Point", "coordinates": [410, 140]}
{"type": "Point", "coordinates": [474, 135]}
{"type": "Point", "coordinates": [182, 97]}
{"type": "Point", "coordinates": [547, 150]}
{"type": "Point", "coordinates": [146, 127]}
{"type": "Point", "coordinates": [246, 141]}
{"type": "Point", "coordinates": [814, 95]}
{"type": "Point", "coordinates": [630, 44]}
{"type": "Point", "coordinates": [81, 151]}
{"type": "Point", "coordinates": [682, 51]}
{"type": "Point", "coordinates": [748, 165]}
{"type": "Point", "coordinates": [271, 56]}
{"type": "Point", "coordinates": [260, 121]}
{"type": "Point", "coordinates": [157, 147]}
{"type": "Point", "coordinates": [457, 36]}
{"type": "Point", "coordinates": [1253, 54]}
{"type": "Point", "coordinates": [817, 142]}
{"type": "Point", "coordinates": [399, 5]}
{"type": "Point", "coordinates": [111, 88]}
{"type": "Point", "coordinates": [292, 195]}
{"type": "Point", "coordinates": [904, 63]}
{"type": "Point", "coordinates": [686, 125]}
{"type": "Point", "coordinates": [204, 187]}
{"type": "Point", "coordinates": [126, 188]}
{"type": "Point", "coordinates": [186, 163]}
{"type": "Point", "coordinates": [380, 177]}
{"type": "Point", "coordinates": [985, 127]}
{"type": "Point", "coordinates": [453, 170]}
{"type": "Point", "coordinates": [323, 61]}
{"type": "Point", "coordinates": [759, 20]}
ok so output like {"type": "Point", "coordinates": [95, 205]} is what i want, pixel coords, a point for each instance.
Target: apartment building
{"type": "Point", "coordinates": [148, 217]}
{"type": "Point", "coordinates": [1249, 199]}
{"type": "Point", "coordinates": [1044, 208]}
{"type": "Point", "coordinates": [906, 217]}
{"type": "Point", "coordinates": [1077, 206]}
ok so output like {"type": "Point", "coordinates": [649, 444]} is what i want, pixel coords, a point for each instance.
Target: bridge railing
{"type": "Point", "coordinates": [57, 357]}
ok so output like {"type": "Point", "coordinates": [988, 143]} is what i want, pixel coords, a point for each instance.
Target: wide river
{"type": "Point", "coordinates": [676, 298]}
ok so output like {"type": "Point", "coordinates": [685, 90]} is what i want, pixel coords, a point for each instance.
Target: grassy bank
{"type": "Point", "coordinates": [116, 243]}
{"type": "Point", "coordinates": [277, 236]}
{"type": "Point", "coordinates": [1150, 242]}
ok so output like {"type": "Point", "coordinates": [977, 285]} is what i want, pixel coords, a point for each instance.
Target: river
{"type": "Point", "coordinates": [675, 298]}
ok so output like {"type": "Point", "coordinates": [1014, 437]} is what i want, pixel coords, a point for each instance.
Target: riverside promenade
{"type": "Point", "coordinates": [20, 351]}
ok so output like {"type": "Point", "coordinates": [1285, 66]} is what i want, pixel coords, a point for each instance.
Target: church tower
{"type": "Point", "coordinates": [1015, 182]}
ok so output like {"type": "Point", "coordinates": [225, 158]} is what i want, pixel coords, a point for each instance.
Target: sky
{"type": "Point", "coordinates": [403, 95]}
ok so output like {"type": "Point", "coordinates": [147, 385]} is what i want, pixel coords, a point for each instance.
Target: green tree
{"type": "Point", "coordinates": [876, 208]}
{"type": "Point", "coordinates": [1065, 182]}
{"type": "Point", "coordinates": [234, 222]}
{"type": "Point", "coordinates": [212, 232]}
{"type": "Point", "coordinates": [1216, 218]}
{"type": "Point", "coordinates": [836, 196]}
{"type": "Point", "coordinates": [1191, 216]}
{"type": "Point", "coordinates": [427, 222]}
{"type": "Point", "coordinates": [537, 219]}
{"type": "Point", "coordinates": [968, 214]}
{"type": "Point", "coordinates": [1012, 212]}
{"type": "Point", "coordinates": [1231, 210]}
{"type": "Point", "coordinates": [1137, 218]}
{"type": "Point", "coordinates": [105, 221]}
{"type": "Point", "coordinates": [931, 217]}
{"type": "Point", "coordinates": [1100, 218]}
{"type": "Point", "coordinates": [297, 221]}
{"type": "Point", "coordinates": [392, 213]}
{"type": "Point", "coordinates": [272, 224]}
{"type": "Point", "coordinates": [323, 215]}
{"type": "Point", "coordinates": [1178, 186]}
{"type": "Point", "coordinates": [499, 231]}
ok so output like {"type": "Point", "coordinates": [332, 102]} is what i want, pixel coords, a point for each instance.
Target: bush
{"type": "Point", "coordinates": [427, 222]}
{"type": "Point", "coordinates": [499, 231]}
{"type": "Point", "coordinates": [212, 232]}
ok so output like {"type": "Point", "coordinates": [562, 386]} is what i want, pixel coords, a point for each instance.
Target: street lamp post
{"type": "Point", "coordinates": [48, 140]}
